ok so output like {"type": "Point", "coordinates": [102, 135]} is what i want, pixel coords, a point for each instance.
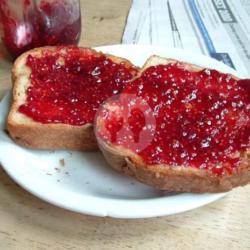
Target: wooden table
{"type": "Point", "coordinates": [29, 223]}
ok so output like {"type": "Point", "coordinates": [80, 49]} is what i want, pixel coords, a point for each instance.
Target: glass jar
{"type": "Point", "coordinates": [26, 24]}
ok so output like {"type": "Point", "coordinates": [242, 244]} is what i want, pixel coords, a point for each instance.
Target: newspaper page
{"type": "Point", "coordinates": [217, 28]}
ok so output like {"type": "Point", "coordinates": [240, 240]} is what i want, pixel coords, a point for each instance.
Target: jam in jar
{"type": "Point", "coordinates": [26, 24]}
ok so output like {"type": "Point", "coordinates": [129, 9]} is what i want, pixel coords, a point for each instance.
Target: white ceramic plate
{"type": "Point", "coordinates": [86, 184]}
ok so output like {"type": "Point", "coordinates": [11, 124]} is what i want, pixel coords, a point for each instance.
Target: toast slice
{"type": "Point", "coordinates": [56, 92]}
{"type": "Point", "coordinates": [186, 142]}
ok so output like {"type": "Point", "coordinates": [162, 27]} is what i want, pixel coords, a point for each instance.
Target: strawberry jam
{"type": "Point", "coordinates": [201, 119]}
{"type": "Point", "coordinates": [69, 84]}
{"type": "Point", "coordinates": [27, 24]}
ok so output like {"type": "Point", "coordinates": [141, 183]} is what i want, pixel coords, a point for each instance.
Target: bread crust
{"type": "Point", "coordinates": [175, 179]}
{"type": "Point", "coordinates": [53, 136]}
{"type": "Point", "coordinates": [172, 178]}
{"type": "Point", "coordinates": [29, 133]}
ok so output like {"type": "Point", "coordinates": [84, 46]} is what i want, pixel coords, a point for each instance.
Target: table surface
{"type": "Point", "coordinates": [29, 223]}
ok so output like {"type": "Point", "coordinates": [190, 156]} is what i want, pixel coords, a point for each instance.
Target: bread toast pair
{"type": "Point", "coordinates": [166, 176]}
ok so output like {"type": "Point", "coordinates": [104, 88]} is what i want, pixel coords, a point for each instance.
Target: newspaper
{"type": "Point", "coordinates": [217, 28]}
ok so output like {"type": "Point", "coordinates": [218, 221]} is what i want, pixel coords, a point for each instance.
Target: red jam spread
{"type": "Point", "coordinates": [69, 84]}
{"type": "Point", "coordinates": [49, 22]}
{"type": "Point", "coordinates": [201, 119]}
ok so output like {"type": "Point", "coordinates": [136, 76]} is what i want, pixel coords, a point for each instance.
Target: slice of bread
{"type": "Point", "coordinates": [171, 177]}
{"type": "Point", "coordinates": [31, 133]}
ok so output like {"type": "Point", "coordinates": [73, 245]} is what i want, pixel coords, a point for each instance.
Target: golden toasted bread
{"type": "Point", "coordinates": [27, 131]}
{"type": "Point", "coordinates": [171, 177]}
